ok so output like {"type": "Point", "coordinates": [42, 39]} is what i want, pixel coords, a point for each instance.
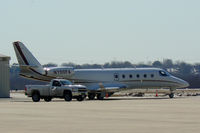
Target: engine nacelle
{"type": "Point", "coordinates": [62, 72]}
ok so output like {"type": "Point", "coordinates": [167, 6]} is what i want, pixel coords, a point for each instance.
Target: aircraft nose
{"type": "Point", "coordinates": [183, 83]}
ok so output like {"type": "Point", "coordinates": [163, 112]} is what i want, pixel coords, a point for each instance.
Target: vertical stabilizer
{"type": "Point", "coordinates": [25, 58]}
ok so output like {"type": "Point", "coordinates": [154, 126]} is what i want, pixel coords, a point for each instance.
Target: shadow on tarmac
{"type": "Point", "coordinates": [28, 100]}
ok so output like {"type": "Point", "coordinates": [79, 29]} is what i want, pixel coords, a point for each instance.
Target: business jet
{"type": "Point", "coordinates": [100, 82]}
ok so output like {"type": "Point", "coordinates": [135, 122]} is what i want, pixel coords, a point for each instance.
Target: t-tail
{"type": "Point", "coordinates": [29, 65]}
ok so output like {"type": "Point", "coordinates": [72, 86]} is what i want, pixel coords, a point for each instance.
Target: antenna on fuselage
{"type": "Point", "coordinates": [135, 66]}
{"type": "Point", "coordinates": [102, 67]}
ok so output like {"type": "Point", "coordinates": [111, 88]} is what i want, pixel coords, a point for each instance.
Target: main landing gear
{"type": "Point", "coordinates": [91, 96]}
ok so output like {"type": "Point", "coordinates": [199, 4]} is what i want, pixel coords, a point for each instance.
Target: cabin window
{"type": "Point", "coordinates": [123, 76]}
{"type": "Point", "coordinates": [131, 76]}
{"type": "Point", "coordinates": [152, 75]}
{"type": "Point", "coordinates": [145, 75]}
{"type": "Point", "coordinates": [138, 76]}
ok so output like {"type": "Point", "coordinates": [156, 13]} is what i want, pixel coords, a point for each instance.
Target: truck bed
{"type": "Point", "coordinates": [43, 89]}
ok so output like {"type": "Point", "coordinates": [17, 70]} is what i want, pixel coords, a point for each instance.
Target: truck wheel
{"type": "Point", "coordinates": [91, 96]}
{"type": "Point", "coordinates": [99, 97]}
{"type": "Point", "coordinates": [80, 98]}
{"type": "Point", "coordinates": [68, 96]}
{"type": "Point", "coordinates": [36, 97]}
{"type": "Point", "coordinates": [47, 99]}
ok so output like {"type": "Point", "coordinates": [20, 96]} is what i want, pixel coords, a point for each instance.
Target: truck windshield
{"type": "Point", "coordinates": [66, 82]}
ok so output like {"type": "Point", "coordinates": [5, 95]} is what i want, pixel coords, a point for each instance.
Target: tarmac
{"type": "Point", "coordinates": [112, 115]}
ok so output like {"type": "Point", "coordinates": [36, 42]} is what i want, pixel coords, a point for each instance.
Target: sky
{"type": "Point", "coordinates": [99, 31]}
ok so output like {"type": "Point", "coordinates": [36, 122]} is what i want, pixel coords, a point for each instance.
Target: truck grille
{"type": "Point", "coordinates": [82, 89]}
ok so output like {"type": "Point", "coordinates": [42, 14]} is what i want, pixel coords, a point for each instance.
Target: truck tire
{"type": "Point", "coordinates": [67, 96]}
{"type": "Point", "coordinates": [36, 97]}
{"type": "Point", "coordinates": [99, 97]}
{"type": "Point", "coordinates": [80, 98]}
{"type": "Point", "coordinates": [91, 96]}
{"type": "Point", "coordinates": [47, 99]}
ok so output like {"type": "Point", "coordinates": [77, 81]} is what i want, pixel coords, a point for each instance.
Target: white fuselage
{"type": "Point", "coordinates": [129, 77]}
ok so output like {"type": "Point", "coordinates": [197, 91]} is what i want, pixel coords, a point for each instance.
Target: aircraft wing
{"type": "Point", "coordinates": [108, 87]}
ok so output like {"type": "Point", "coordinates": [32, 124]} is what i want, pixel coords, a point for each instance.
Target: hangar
{"type": "Point", "coordinates": [4, 76]}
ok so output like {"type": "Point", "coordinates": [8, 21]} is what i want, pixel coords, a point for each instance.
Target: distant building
{"type": "Point", "coordinates": [4, 76]}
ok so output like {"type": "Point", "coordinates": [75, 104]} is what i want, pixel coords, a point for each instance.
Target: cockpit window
{"type": "Point", "coordinates": [163, 73]}
{"type": "Point", "coordinates": [65, 82]}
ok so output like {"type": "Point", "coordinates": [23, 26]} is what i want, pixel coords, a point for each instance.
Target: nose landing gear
{"type": "Point", "coordinates": [171, 95]}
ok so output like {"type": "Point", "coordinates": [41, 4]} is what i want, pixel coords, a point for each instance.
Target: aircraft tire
{"type": "Point", "coordinates": [171, 95]}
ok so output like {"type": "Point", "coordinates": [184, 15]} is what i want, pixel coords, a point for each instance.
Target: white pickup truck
{"type": "Point", "coordinates": [58, 88]}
